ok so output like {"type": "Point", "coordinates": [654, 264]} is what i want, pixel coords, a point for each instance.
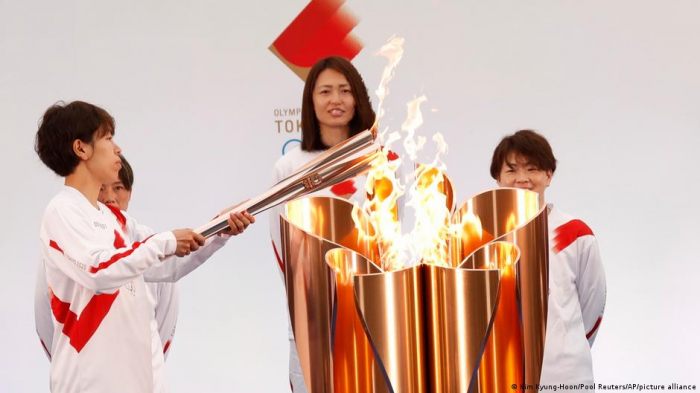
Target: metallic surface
{"type": "Point", "coordinates": [478, 326]}
{"type": "Point", "coordinates": [392, 309]}
{"type": "Point", "coordinates": [313, 227]}
{"type": "Point", "coordinates": [460, 304]}
{"type": "Point", "coordinates": [348, 159]}
{"type": "Point", "coordinates": [343, 151]}
{"type": "Point", "coordinates": [354, 365]}
{"type": "Point", "coordinates": [502, 362]}
{"type": "Point", "coordinates": [517, 339]}
{"type": "Point", "coordinates": [429, 324]}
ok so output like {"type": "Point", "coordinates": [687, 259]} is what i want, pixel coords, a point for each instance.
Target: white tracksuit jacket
{"type": "Point", "coordinates": [164, 297]}
{"type": "Point", "coordinates": [576, 301]}
{"type": "Point", "coordinates": [101, 334]}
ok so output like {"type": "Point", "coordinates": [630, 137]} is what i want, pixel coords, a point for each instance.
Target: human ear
{"type": "Point", "coordinates": [549, 177]}
{"type": "Point", "coordinates": [82, 149]}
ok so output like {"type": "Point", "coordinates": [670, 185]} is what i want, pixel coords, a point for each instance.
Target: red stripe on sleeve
{"type": "Point", "coordinates": [43, 344]}
{"type": "Point", "coordinates": [116, 257]}
{"type": "Point", "coordinates": [595, 327]}
{"type": "Point", "coordinates": [55, 246]}
{"type": "Point", "coordinates": [80, 329]}
{"type": "Point", "coordinates": [279, 260]}
{"type": "Point", "coordinates": [118, 243]}
{"type": "Point", "coordinates": [165, 348]}
{"type": "Point", "coordinates": [568, 233]}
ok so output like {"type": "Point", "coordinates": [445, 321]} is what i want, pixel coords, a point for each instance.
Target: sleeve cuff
{"type": "Point", "coordinates": [169, 241]}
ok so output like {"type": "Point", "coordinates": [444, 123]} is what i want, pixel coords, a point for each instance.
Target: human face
{"type": "Point", "coordinates": [102, 157]}
{"type": "Point", "coordinates": [334, 103]}
{"type": "Point", "coordinates": [115, 194]}
{"type": "Point", "coordinates": [517, 171]}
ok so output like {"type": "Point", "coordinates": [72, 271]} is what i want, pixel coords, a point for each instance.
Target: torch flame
{"type": "Point", "coordinates": [412, 122]}
{"type": "Point", "coordinates": [431, 229]}
{"type": "Point", "coordinates": [429, 239]}
{"type": "Point", "coordinates": [383, 190]}
{"type": "Point", "coordinates": [393, 51]}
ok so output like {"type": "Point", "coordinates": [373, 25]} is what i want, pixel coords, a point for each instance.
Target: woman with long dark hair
{"type": "Point", "coordinates": [335, 107]}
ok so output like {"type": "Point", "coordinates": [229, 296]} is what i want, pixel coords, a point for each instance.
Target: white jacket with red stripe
{"type": "Point", "coordinates": [105, 337]}
{"type": "Point", "coordinates": [576, 300]}
{"type": "Point", "coordinates": [164, 296]}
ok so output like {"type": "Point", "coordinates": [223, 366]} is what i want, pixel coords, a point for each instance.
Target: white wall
{"type": "Point", "coordinates": [613, 85]}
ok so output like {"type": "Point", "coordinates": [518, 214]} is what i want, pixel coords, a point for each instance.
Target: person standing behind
{"type": "Point", "coordinates": [164, 296]}
{"type": "Point", "coordinates": [335, 107]}
{"type": "Point", "coordinates": [103, 338]}
{"type": "Point", "coordinates": [577, 287]}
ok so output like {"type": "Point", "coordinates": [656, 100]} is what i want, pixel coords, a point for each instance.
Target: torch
{"type": "Point", "coordinates": [352, 157]}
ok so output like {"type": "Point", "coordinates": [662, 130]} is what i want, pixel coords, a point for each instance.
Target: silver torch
{"type": "Point", "coordinates": [348, 159]}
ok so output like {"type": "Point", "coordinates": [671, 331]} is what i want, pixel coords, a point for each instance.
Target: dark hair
{"type": "Point", "coordinates": [61, 125]}
{"type": "Point", "coordinates": [364, 115]}
{"type": "Point", "coordinates": [126, 174]}
{"type": "Point", "coordinates": [528, 144]}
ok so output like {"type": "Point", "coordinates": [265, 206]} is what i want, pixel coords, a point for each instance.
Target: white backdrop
{"type": "Point", "coordinates": [194, 89]}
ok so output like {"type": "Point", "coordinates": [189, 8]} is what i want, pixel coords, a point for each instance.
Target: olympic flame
{"type": "Point", "coordinates": [431, 230]}
{"type": "Point", "coordinates": [384, 189]}
{"type": "Point", "coordinates": [429, 200]}
{"type": "Point", "coordinates": [413, 121]}
{"type": "Point", "coordinates": [393, 51]}
{"type": "Point", "coordinates": [429, 239]}
{"type": "Point", "coordinates": [452, 315]}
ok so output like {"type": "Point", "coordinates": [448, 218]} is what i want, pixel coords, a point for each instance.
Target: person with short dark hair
{"type": "Point", "coordinates": [577, 288]}
{"type": "Point", "coordinates": [164, 296]}
{"type": "Point", "coordinates": [93, 268]}
{"type": "Point", "coordinates": [335, 107]}
{"type": "Point", "coordinates": [118, 193]}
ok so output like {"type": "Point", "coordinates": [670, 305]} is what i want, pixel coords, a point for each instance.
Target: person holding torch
{"type": "Point", "coordinates": [94, 266]}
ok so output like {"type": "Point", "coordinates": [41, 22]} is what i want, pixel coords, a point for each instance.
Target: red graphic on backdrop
{"type": "Point", "coordinates": [322, 29]}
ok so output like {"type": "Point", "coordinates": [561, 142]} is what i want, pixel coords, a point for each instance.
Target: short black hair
{"type": "Point", "coordinates": [126, 174]}
{"type": "Point", "coordinates": [528, 144]}
{"type": "Point", "coordinates": [61, 125]}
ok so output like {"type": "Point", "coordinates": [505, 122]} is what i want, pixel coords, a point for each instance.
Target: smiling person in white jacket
{"type": "Point", "coordinates": [335, 106]}
{"type": "Point", "coordinates": [576, 275]}
{"type": "Point", "coordinates": [95, 259]}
